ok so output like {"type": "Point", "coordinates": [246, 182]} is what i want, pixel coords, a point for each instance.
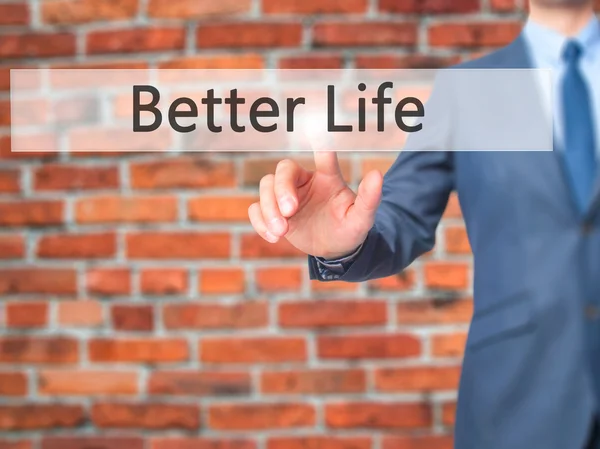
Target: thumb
{"type": "Point", "coordinates": [326, 162]}
{"type": "Point", "coordinates": [367, 200]}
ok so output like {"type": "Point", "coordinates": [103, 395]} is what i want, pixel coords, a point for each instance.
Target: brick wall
{"type": "Point", "coordinates": [138, 308]}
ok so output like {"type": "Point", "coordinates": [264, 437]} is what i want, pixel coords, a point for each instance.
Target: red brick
{"type": "Point", "coordinates": [253, 314]}
{"type": "Point", "coordinates": [108, 281]}
{"type": "Point", "coordinates": [434, 312]}
{"type": "Point", "coordinates": [195, 9]}
{"type": "Point", "coordinates": [84, 313]}
{"type": "Point", "coordinates": [253, 350]}
{"type": "Point", "coordinates": [132, 317]}
{"type": "Point", "coordinates": [31, 213]}
{"type": "Point", "coordinates": [13, 384]}
{"type": "Point", "coordinates": [5, 140]}
{"type": "Point", "coordinates": [472, 35]}
{"type": "Point", "coordinates": [330, 313]}
{"type": "Point", "coordinates": [68, 177]}
{"type": "Point", "coordinates": [429, 6]}
{"type": "Point", "coordinates": [314, 6]}
{"type": "Point", "coordinates": [220, 208]}
{"type": "Point", "coordinates": [503, 5]}
{"type": "Point", "coordinates": [453, 208]}
{"type": "Point", "coordinates": [164, 281]}
{"type": "Point", "coordinates": [5, 115]}
{"type": "Point", "coordinates": [157, 350]}
{"type": "Point", "coordinates": [201, 443]}
{"type": "Point", "coordinates": [274, 279]}
{"type": "Point", "coordinates": [178, 245]}
{"type": "Point", "coordinates": [333, 286]}
{"type": "Point", "coordinates": [446, 275]}
{"type": "Point", "coordinates": [417, 442]}
{"type": "Point", "coordinates": [135, 40]}
{"type": "Point", "coordinates": [82, 11]}
{"type": "Point", "coordinates": [5, 86]}
{"type": "Point", "coordinates": [33, 141]}
{"type": "Point", "coordinates": [126, 64]}
{"type": "Point", "coordinates": [37, 110]}
{"type": "Point", "coordinates": [449, 413]}
{"type": "Point", "coordinates": [40, 416]}
{"type": "Point", "coordinates": [311, 61]}
{"type": "Point", "coordinates": [38, 350]}
{"type": "Point", "coordinates": [12, 246]}
{"type": "Point", "coordinates": [226, 61]}
{"type": "Point", "coordinates": [248, 35]}
{"type": "Point", "coordinates": [182, 172]}
{"type": "Point", "coordinates": [146, 416]}
{"type": "Point", "coordinates": [382, 346]}
{"type": "Point", "coordinates": [260, 416]}
{"type": "Point", "coordinates": [38, 280]}
{"type": "Point", "coordinates": [314, 381]}
{"type": "Point", "coordinates": [222, 281]}
{"type": "Point", "coordinates": [383, 61]}
{"type": "Point", "coordinates": [96, 442]}
{"type": "Point", "coordinates": [26, 314]}
{"type": "Point", "coordinates": [77, 246]}
{"type": "Point", "coordinates": [199, 383]}
{"type": "Point", "coordinates": [14, 14]}
{"type": "Point", "coordinates": [86, 383]}
{"type": "Point", "coordinates": [16, 444]}
{"type": "Point", "coordinates": [10, 180]}
{"type": "Point", "coordinates": [336, 34]}
{"type": "Point", "coordinates": [457, 241]}
{"type": "Point", "coordinates": [423, 379]}
{"type": "Point", "coordinates": [319, 442]}
{"type": "Point", "coordinates": [37, 45]}
{"type": "Point", "coordinates": [378, 415]}
{"type": "Point", "coordinates": [255, 247]}
{"type": "Point", "coordinates": [449, 345]}
{"type": "Point", "coordinates": [400, 282]}
{"type": "Point", "coordinates": [114, 209]}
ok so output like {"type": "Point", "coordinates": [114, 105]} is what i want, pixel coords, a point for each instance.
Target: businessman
{"type": "Point", "coordinates": [531, 371]}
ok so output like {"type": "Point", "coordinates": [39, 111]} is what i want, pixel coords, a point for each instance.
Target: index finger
{"type": "Point", "coordinates": [326, 162]}
{"type": "Point", "coordinates": [289, 175]}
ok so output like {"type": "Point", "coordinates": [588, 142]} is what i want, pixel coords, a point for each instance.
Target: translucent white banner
{"type": "Point", "coordinates": [84, 110]}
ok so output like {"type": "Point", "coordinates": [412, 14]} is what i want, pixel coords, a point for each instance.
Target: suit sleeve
{"type": "Point", "coordinates": [415, 194]}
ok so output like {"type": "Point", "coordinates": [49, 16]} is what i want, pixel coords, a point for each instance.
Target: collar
{"type": "Point", "coordinates": [548, 44]}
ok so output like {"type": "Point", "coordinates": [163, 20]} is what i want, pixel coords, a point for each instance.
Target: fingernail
{"type": "Point", "coordinates": [286, 205]}
{"type": "Point", "coordinates": [271, 238]}
{"type": "Point", "coordinates": [277, 226]}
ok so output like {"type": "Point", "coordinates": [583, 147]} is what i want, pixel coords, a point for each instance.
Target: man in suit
{"type": "Point", "coordinates": [531, 371]}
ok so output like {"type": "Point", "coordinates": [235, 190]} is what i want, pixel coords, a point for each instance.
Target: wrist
{"type": "Point", "coordinates": [340, 257]}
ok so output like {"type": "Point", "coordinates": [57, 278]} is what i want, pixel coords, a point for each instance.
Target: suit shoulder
{"type": "Point", "coordinates": [493, 60]}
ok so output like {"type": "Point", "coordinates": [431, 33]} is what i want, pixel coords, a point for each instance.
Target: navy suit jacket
{"type": "Point", "coordinates": [527, 379]}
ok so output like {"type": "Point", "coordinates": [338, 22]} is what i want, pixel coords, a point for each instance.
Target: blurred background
{"type": "Point", "coordinates": [139, 311]}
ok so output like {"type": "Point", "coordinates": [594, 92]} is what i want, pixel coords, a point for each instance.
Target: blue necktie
{"type": "Point", "coordinates": [579, 143]}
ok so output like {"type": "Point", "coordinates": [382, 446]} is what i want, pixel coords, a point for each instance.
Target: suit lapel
{"type": "Point", "coordinates": [550, 165]}
{"type": "Point", "coordinates": [517, 56]}
{"type": "Point", "coordinates": [595, 202]}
